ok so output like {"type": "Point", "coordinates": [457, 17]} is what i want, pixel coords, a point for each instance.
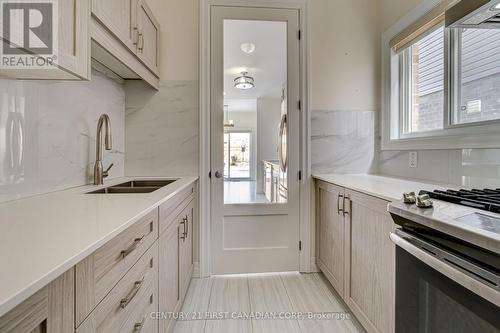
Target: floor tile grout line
{"type": "Point", "coordinates": [249, 303]}
{"type": "Point", "coordinates": [289, 299]}
{"type": "Point", "coordinates": [210, 281]}
{"type": "Point", "coordinates": [211, 291]}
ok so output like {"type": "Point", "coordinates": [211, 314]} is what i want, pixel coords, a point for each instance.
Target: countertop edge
{"type": "Point", "coordinates": [355, 188]}
{"type": "Point", "coordinates": [19, 297]}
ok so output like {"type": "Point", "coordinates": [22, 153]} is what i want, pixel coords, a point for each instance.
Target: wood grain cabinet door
{"type": "Point", "coordinates": [148, 37]}
{"type": "Point", "coordinates": [331, 229]}
{"type": "Point", "coordinates": [119, 17]}
{"type": "Point", "coordinates": [169, 292]}
{"type": "Point", "coordinates": [186, 246]}
{"type": "Point", "coordinates": [49, 310]}
{"type": "Point", "coordinates": [370, 263]}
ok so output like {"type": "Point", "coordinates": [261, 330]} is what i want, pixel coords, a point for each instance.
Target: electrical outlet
{"type": "Point", "coordinates": [413, 162]}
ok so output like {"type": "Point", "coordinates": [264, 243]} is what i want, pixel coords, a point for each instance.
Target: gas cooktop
{"type": "Point", "coordinates": [487, 199]}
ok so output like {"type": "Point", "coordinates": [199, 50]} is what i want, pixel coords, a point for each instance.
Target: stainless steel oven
{"type": "Point", "coordinates": [444, 284]}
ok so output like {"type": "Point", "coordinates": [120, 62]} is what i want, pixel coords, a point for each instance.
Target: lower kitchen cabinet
{"type": "Point", "coordinates": [356, 254]}
{"type": "Point", "coordinates": [49, 310]}
{"type": "Point", "coordinates": [331, 225]}
{"type": "Point", "coordinates": [176, 263]}
{"type": "Point", "coordinates": [169, 293]}
{"type": "Point", "coordinates": [369, 262]}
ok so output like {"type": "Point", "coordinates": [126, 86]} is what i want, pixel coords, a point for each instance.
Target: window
{"type": "Point", "coordinates": [422, 83]}
{"type": "Point", "coordinates": [477, 78]}
{"type": "Point", "coordinates": [441, 86]}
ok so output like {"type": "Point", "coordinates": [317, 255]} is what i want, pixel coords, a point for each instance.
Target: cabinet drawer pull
{"type": "Point", "coordinates": [137, 286]}
{"type": "Point", "coordinates": [339, 210]}
{"type": "Point", "coordinates": [132, 247]}
{"type": "Point", "coordinates": [138, 326]}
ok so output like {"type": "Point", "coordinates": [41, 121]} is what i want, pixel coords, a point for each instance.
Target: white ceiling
{"type": "Point", "coordinates": [267, 64]}
{"type": "Point", "coordinates": [241, 105]}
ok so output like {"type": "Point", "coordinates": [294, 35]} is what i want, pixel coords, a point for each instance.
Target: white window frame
{"type": "Point", "coordinates": [485, 134]}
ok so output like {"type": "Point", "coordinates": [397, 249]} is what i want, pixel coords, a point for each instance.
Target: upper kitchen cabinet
{"type": "Point", "coordinates": [122, 35]}
{"type": "Point", "coordinates": [148, 39]}
{"type": "Point", "coordinates": [119, 16]}
{"type": "Point", "coordinates": [67, 47]}
{"type": "Point", "coordinates": [127, 31]}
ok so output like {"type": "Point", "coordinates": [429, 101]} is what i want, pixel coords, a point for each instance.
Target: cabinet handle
{"type": "Point", "coordinates": [186, 225]}
{"type": "Point", "coordinates": [126, 301]}
{"type": "Point", "coordinates": [138, 326]}
{"type": "Point", "coordinates": [135, 38]}
{"type": "Point", "coordinates": [131, 248]}
{"type": "Point", "coordinates": [183, 237]}
{"type": "Point", "coordinates": [346, 212]}
{"type": "Point", "coordinates": [140, 41]}
{"type": "Point", "coordinates": [339, 210]}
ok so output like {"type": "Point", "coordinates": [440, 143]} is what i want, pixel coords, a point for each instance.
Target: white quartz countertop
{"type": "Point", "coordinates": [43, 236]}
{"type": "Point", "coordinates": [384, 187]}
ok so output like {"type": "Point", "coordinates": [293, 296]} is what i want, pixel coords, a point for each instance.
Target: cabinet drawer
{"type": "Point", "coordinates": [171, 209]}
{"type": "Point", "coordinates": [130, 303]}
{"type": "Point", "coordinates": [98, 274]}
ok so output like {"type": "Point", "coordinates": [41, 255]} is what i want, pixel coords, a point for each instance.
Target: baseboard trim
{"type": "Point", "coordinates": [314, 266]}
{"type": "Point", "coordinates": [196, 269]}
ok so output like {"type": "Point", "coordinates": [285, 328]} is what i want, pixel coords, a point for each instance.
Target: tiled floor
{"type": "Point", "coordinates": [259, 294]}
{"type": "Point", "coordinates": [242, 192]}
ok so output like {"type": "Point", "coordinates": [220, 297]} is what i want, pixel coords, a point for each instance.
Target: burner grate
{"type": "Point", "coordinates": [487, 199]}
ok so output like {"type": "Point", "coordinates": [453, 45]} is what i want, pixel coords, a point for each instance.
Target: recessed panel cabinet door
{"type": "Point", "coordinates": [186, 245]}
{"type": "Point", "coordinates": [148, 37]}
{"type": "Point", "coordinates": [331, 228]}
{"type": "Point", "coordinates": [370, 260]}
{"type": "Point", "coordinates": [72, 56]}
{"type": "Point", "coordinates": [169, 292]}
{"type": "Point", "coordinates": [120, 17]}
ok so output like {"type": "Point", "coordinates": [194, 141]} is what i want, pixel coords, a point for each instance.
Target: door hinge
{"type": "Point", "coordinates": [299, 104]}
{"type": "Point", "coordinates": [300, 34]}
{"type": "Point", "coordinates": [210, 174]}
{"type": "Point", "coordinates": [300, 245]}
{"type": "Point", "coordinates": [300, 175]}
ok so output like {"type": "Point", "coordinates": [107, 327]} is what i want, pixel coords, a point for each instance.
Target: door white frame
{"type": "Point", "coordinates": [306, 261]}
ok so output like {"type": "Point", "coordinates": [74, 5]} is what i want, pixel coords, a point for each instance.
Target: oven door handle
{"type": "Point", "coordinates": [474, 278]}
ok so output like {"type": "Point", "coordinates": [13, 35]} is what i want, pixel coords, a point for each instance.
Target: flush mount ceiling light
{"type": "Point", "coordinates": [248, 48]}
{"type": "Point", "coordinates": [244, 82]}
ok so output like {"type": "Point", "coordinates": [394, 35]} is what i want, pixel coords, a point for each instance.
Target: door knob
{"type": "Point", "coordinates": [218, 174]}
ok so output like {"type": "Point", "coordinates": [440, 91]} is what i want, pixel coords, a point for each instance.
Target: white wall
{"type": "Point", "coordinates": [393, 10]}
{"type": "Point", "coordinates": [345, 55]}
{"type": "Point", "coordinates": [56, 147]}
{"type": "Point", "coordinates": [179, 26]}
{"type": "Point", "coordinates": [268, 121]}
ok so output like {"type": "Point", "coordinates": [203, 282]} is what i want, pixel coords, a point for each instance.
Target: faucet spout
{"type": "Point", "coordinates": [104, 122]}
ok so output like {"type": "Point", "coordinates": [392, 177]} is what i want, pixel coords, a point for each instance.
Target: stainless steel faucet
{"type": "Point", "coordinates": [99, 174]}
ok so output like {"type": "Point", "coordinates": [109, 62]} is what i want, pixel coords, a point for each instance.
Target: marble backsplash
{"type": "Point", "coordinates": [343, 142]}
{"type": "Point", "coordinates": [470, 168]}
{"type": "Point", "coordinates": [48, 130]}
{"type": "Point", "coordinates": [162, 129]}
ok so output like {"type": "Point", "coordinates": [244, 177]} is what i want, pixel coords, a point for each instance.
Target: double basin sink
{"type": "Point", "coordinates": [135, 186]}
